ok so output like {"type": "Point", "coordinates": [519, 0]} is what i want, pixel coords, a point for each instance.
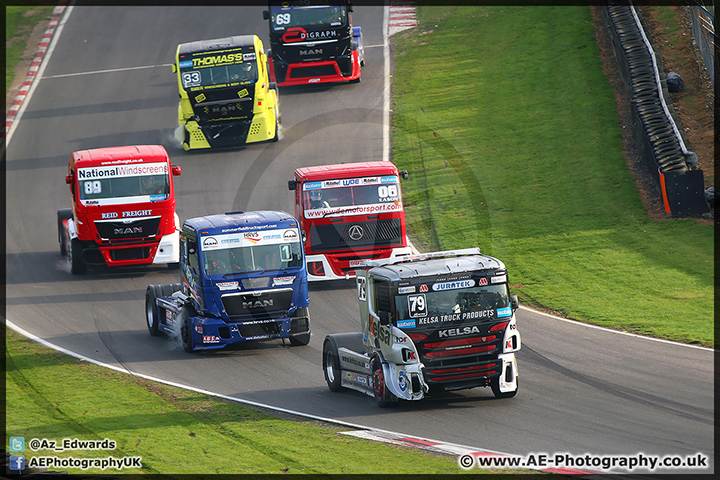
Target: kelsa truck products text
{"type": "Point", "coordinates": [429, 323]}
{"type": "Point", "coordinates": [226, 97]}
{"type": "Point", "coordinates": [348, 213]}
{"type": "Point", "coordinates": [242, 278]}
{"type": "Point", "coordinates": [123, 208]}
{"type": "Point", "coordinates": [313, 42]}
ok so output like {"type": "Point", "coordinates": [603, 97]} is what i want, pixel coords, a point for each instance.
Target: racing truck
{"type": "Point", "coordinates": [430, 323]}
{"type": "Point", "coordinates": [123, 208]}
{"type": "Point", "coordinates": [226, 97]}
{"type": "Point", "coordinates": [313, 41]}
{"type": "Point", "coordinates": [242, 278]}
{"type": "Point", "coordinates": [349, 212]}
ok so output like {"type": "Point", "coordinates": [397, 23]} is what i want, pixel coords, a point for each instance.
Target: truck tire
{"type": "Point", "coordinates": [63, 214]}
{"type": "Point", "coordinates": [495, 386]}
{"type": "Point", "coordinates": [383, 397]}
{"type": "Point", "coordinates": [331, 364]}
{"type": "Point", "coordinates": [75, 259]}
{"type": "Point", "coordinates": [186, 329]}
{"type": "Point", "coordinates": [152, 315]}
{"type": "Point", "coordinates": [303, 338]}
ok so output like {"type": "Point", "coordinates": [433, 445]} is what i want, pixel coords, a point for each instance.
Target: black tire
{"type": "Point", "coordinates": [174, 266]}
{"type": "Point", "coordinates": [495, 386]}
{"type": "Point", "coordinates": [151, 311]}
{"type": "Point", "coordinates": [63, 214]}
{"type": "Point", "coordinates": [277, 131]}
{"type": "Point", "coordinates": [303, 338]}
{"type": "Point", "coordinates": [77, 264]}
{"type": "Point", "coordinates": [185, 329]}
{"type": "Point", "coordinates": [331, 364]}
{"type": "Point", "coordinates": [383, 397]}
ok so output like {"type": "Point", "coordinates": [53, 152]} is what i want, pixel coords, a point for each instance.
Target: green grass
{"type": "Point", "coordinates": [50, 395]}
{"type": "Point", "coordinates": [507, 125]}
{"type": "Point", "coordinates": [19, 22]}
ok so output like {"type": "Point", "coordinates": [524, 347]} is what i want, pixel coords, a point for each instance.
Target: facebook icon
{"type": "Point", "coordinates": [17, 462]}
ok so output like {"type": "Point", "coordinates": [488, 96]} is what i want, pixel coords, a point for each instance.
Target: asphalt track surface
{"type": "Point", "coordinates": [108, 82]}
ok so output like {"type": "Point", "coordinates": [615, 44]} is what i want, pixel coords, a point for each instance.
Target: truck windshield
{"type": "Point", "coordinates": [352, 197]}
{"type": "Point", "coordinates": [124, 189]}
{"type": "Point", "coordinates": [454, 305]}
{"type": "Point", "coordinates": [239, 73]}
{"type": "Point", "coordinates": [254, 258]}
{"type": "Point", "coordinates": [308, 13]}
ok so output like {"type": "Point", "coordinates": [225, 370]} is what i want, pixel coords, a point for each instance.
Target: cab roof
{"type": "Point", "coordinates": [217, 44]}
{"type": "Point", "coordinates": [439, 266]}
{"type": "Point", "coordinates": [346, 170]}
{"type": "Point", "coordinates": [239, 221]}
{"type": "Point", "coordinates": [124, 154]}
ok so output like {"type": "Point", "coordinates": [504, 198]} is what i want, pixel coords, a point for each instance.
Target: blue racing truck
{"type": "Point", "coordinates": [243, 278]}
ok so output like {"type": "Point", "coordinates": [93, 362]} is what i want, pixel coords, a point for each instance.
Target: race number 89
{"type": "Point", "coordinates": [417, 305]}
{"type": "Point", "coordinates": [93, 187]}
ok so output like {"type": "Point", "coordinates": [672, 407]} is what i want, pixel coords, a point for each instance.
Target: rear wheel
{"type": "Point", "coordinates": [151, 313]}
{"type": "Point", "coordinates": [383, 397]}
{"type": "Point", "coordinates": [75, 259]}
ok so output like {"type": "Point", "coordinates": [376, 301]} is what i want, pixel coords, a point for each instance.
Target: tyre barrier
{"type": "Point", "coordinates": [660, 144]}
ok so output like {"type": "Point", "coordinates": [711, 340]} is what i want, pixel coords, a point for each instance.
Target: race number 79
{"type": "Point", "coordinates": [417, 305]}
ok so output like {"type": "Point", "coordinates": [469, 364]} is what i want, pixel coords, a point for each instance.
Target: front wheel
{"type": "Point", "coordinates": [63, 215]}
{"type": "Point", "coordinates": [331, 365]}
{"type": "Point", "coordinates": [495, 386]}
{"type": "Point", "coordinates": [75, 258]}
{"type": "Point", "coordinates": [383, 396]}
{"type": "Point", "coordinates": [186, 329]}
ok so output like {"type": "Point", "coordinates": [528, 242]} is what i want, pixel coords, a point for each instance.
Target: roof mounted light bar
{"type": "Point", "coordinates": [419, 257]}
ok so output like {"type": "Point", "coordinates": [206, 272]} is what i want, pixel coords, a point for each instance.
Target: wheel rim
{"type": "Point", "coordinates": [379, 382]}
{"type": "Point", "coordinates": [329, 367]}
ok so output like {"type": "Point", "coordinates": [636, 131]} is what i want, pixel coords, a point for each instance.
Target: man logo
{"type": "Point", "coordinates": [128, 231]}
{"type": "Point", "coordinates": [209, 242]}
{"type": "Point", "coordinates": [356, 232]}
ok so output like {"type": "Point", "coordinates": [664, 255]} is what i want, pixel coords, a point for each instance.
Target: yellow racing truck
{"type": "Point", "coordinates": [226, 97]}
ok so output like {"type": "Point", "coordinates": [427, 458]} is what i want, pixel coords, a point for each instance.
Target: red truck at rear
{"type": "Point", "coordinates": [348, 213]}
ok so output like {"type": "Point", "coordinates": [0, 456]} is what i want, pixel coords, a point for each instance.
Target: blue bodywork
{"type": "Point", "coordinates": [243, 279]}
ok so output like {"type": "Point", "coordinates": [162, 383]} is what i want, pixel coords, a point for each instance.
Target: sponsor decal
{"type": "Point", "coordinates": [402, 380]}
{"type": "Point", "coordinates": [312, 185]}
{"type": "Point", "coordinates": [392, 179]}
{"type": "Point", "coordinates": [504, 312]}
{"type": "Point", "coordinates": [355, 263]}
{"type": "Point", "coordinates": [406, 323]}
{"type": "Point", "coordinates": [409, 355]}
{"type": "Point", "coordinates": [439, 287]}
{"type": "Point", "coordinates": [209, 242]}
{"type": "Point", "coordinates": [353, 378]}
{"type": "Point", "coordinates": [267, 302]}
{"type": "Point", "coordinates": [137, 213]}
{"type": "Point", "coordinates": [110, 215]}
{"type": "Point", "coordinates": [382, 333]}
{"type": "Point", "coordinates": [403, 290]}
{"type": "Point", "coordinates": [456, 332]}
{"type": "Point", "coordinates": [127, 230]}
{"type": "Point", "coordinates": [283, 281]}
{"type": "Point", "coordinates": [499, 279]}
{"type": "Point", "coordinates": [251, 235]}
{"type": "Point", "coordinates": [157, 197]}
{"type": "Point", "coordinates": [226, 241]}
{"type": "Point", "coordinates": [248, 56]}
{"type": "Point", "coordinates": [368, 209]}
{"type": "Point", "coordinates": [354, 361]}
{"type": "Point", "coordinates": [299, 34]}
{"type": "Point", "coordinates": [185, 64]}
{"type": "Point", "coordinates": [312, 51]}
{"type": "Point", "coordinates": [200, 98]}
{"type": "Point", "coordinates": [423, 288]}
{"type": "Point", "coordinates": [92, 173]}
{"type": "Point", "coordinates": [210, 339]}
{"type": "Point", "coordinates": [228, 285]}
{"type": "Point", "coordinates": [482, 281]}
{"type": "Point", "coordinates": [272, 236]}
{"type": "Point", "coordinates": [361, 288]}
{"type": "Point", "coordinates": [370, 180]}
{"type": "Point", "coordinates": [290, 235]}
{"type": "Point", "coordinates": [243, 93]}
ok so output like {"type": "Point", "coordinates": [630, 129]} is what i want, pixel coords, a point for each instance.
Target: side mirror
{"type": "Point", "coordinates": [514, 302]}
{"type": "Point", "coordinates": [176, 170]}
{"type": "Point", "coordinates": [349, 7]}
{"type": "Point", "coordinates": [404, 174]}
{"type": "Point", "coordinates": [174, 68]}
{"type": "Point", "coordinates": [384, 318]}
{"type": "Point", "coordinates": [266, 15]}
{"type": "Point", "coordinates": [292, 184]}
{"type": "Point", "coordinates": [69, 179]}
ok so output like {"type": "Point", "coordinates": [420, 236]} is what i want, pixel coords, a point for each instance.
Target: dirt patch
{"type": "Point", "coordinates": [693, 106]}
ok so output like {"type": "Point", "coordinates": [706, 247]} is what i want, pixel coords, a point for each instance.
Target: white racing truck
{"type": "Point", "coordinates": [429, 323]}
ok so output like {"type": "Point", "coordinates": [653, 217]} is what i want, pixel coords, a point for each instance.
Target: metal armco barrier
{"type": "Point", "coordinates": [655, 128]}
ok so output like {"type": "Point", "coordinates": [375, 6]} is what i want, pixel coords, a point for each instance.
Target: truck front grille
{"type": "Point", "coordinates": [261, 305]}
{"type": "Point", "coordinates": [118, 230]}
{"type": "Point", "coordinates": [354, 235]}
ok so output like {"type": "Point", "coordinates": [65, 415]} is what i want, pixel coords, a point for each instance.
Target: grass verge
{"type": "Point", "coordinates": [508, 127]}
{"type": "Point", "coordinates": [176, 431]}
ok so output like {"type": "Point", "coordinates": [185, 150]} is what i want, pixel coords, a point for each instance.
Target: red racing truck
{"type": "Point", "coordinates": [123, 209]}
{"type": "Point", "coordinates": [348, 213]}
{"type": "Point", "coordinates": [313, 41]}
